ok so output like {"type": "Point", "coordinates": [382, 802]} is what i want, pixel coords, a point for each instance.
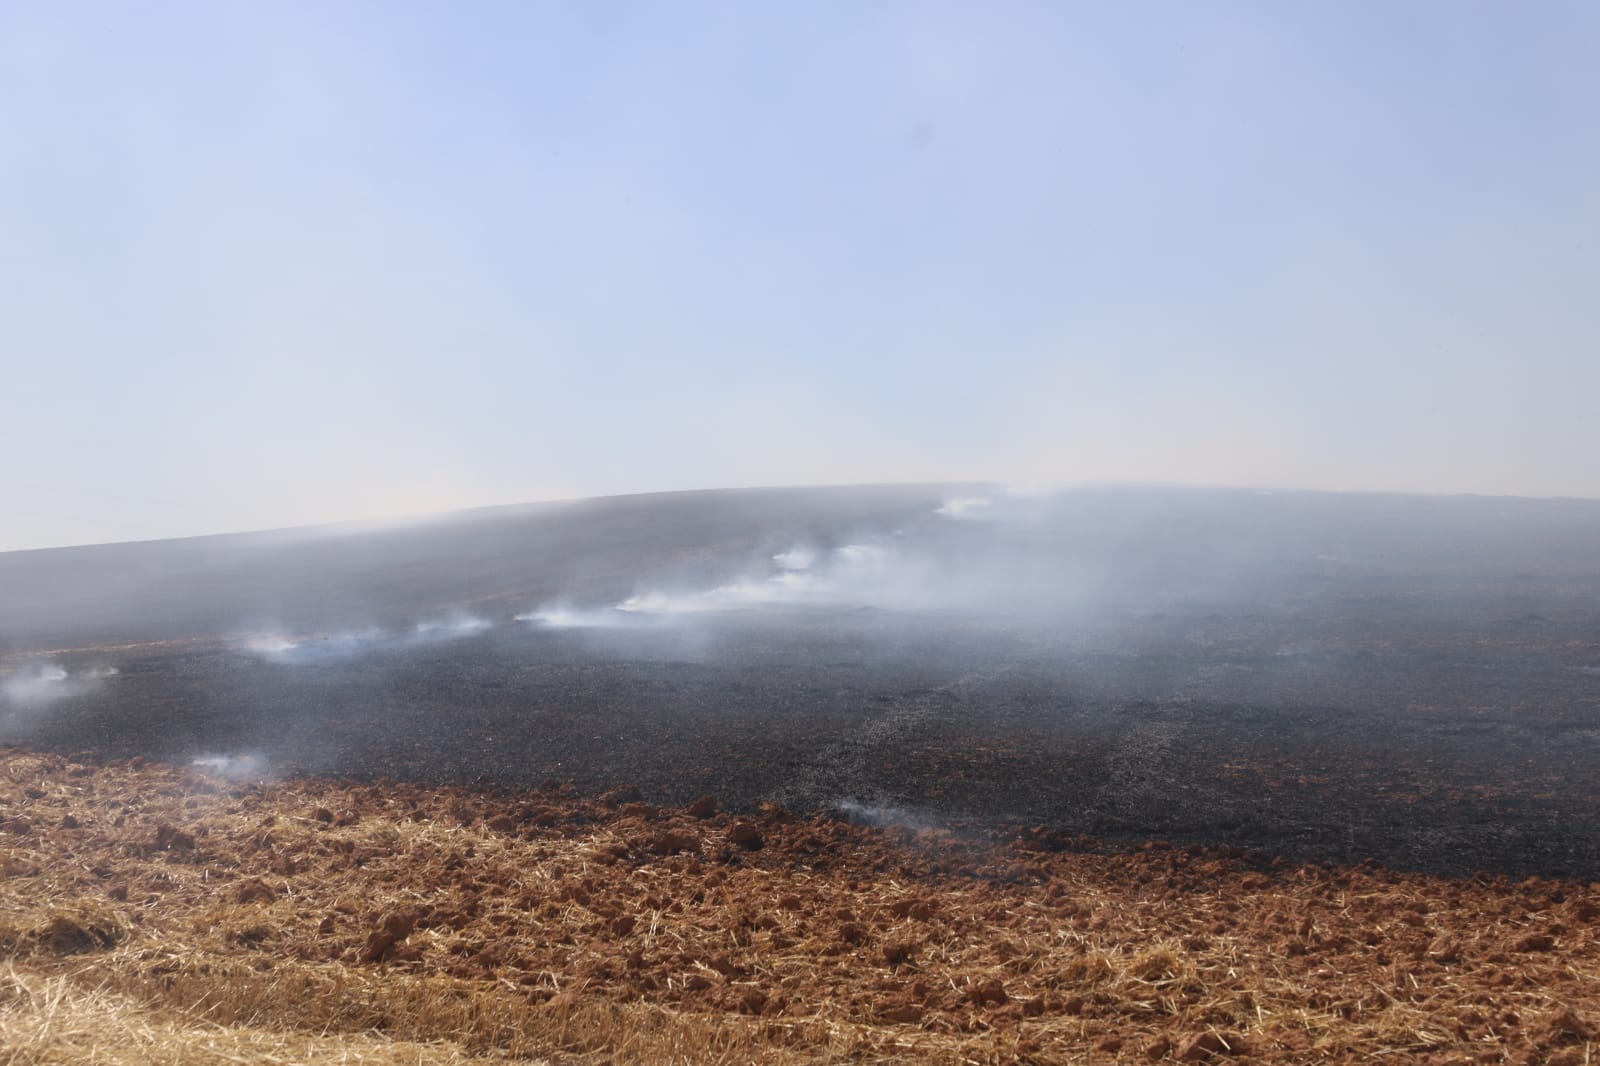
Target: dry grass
{"type": "Point", "coordinates": [326, 921]}
{"type": "Point", "coordinates": [52, 1021]}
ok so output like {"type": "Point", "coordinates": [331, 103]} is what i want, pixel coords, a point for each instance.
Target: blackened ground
{"type": "Point", "coordinates": [1400, 697]}
{"type": "Point", "coordinates": [1448, 757]}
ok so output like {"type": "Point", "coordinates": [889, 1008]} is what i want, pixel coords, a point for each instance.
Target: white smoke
{"type": "Point", "coordinates": [787, 587]}
{"type": "Point", "coordinates": [884, 816]}
{"type": "Point", "coordinates": [1000, 554]}
{"type": "Point", "coordinates": [41, 684]}
{"type": "Point", "coordinates": [798, 557]}
{"type": "Point", "coordinates": [458, 624]}
{"type": "Point", "coordinates": [563, 615]}
{"type": "Point", "coordinates": [308, 649]}
{"type": "Point", "coordinates": [279, 647]}
{"type": "Point", "coordinates": [244, 767]}
{"type": "Point", "coordinates": [271, 645]}
{"type": "Point", "coordinates": [964, 506]}
{"type": "Point", "coordinates": [864, 574]}
{"type": "Point", "coordinates": [651, 603]}
{"type": "Point", "coordinates": [928, 565]}
{"type": "Point", "coordinates": [1009, 503]}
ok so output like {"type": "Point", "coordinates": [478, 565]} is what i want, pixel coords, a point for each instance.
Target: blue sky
{"type": "Point", "coordinates": [264, 264]}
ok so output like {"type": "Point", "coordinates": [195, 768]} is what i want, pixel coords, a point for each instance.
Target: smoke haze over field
{"type": "Point", "coordinates": [650, 565]}
{"type": "Point", "coordinates": [1333, 674]}
{"type": "Point", "coordinates": [299, 262]}
{"type": "Point", "coordinates": [1184, 663]}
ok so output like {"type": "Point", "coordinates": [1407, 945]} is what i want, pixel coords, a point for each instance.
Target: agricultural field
{"type": "Point", "coordinates": [159, 914]}
{"type": "Point", "coordinates": [919, 773]}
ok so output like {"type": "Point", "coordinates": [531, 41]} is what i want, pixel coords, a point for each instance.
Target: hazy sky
{"type": "Point", "coordinates": [270, 263]}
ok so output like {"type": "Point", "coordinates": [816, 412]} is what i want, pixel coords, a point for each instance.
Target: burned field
{"type": "Point", "coordinates": [1447, 753]}
{"type": "Point", "coordinates": [1116, 774]}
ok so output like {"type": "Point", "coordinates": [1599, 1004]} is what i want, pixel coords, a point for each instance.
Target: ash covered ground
{"type": "Point", "coordinates": [1414, 680]}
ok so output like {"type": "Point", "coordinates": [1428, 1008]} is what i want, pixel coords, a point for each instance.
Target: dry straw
{"type": "Point", "coordinates": [153, 916]}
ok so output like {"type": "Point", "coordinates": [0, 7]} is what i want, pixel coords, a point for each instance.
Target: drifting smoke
{"type": "Point", "coordinates": [780, 588]}
{"type": "Point", "coordinates": [456, 625]}
{"type": "Point", "coordinates": [884, 817]}
{"type": "Point", "coordinates": [42, 684]}
{"type": "Point", "coordinates": [246, 767]}
{"type": "Point", "coordinates": [564, 615]}
{"type": "Point", "coordinates": [799, 576]}
{"type": "Point", "coordinates": [1032, 556]}
{"type": "Point", "coordinates": [798, 557]}
{"type": "Point", "coordinates": [363, 642]}
{"type": "Point", "coordinates": [932, 564]}
{"type": "Point", "coordinates": [1016, 552]}
{"type": "Point", "coordinates": [852, 575]}
{"type": "Point", "coordinates": [964, 506]}
{"type": "Point", "coordinates": [310, 649]}
{"type": "Point", "coordinates": [1011, 503]}
{"type": "Point", "coordinates": [970, 553]}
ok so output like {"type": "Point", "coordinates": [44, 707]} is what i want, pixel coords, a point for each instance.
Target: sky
{"type": "Point", "coordinates": [264, 264]}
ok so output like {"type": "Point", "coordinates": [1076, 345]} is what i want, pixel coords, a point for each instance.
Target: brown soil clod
{"type": "Point", "coordinates": [988, 993]}
{"type": "Point", "coordinates": [898, 952]}
{"type": "Point", "coordinates": [1203, 1046]}
{"type": "Point", "coordinates": [917, 909]}
{"type": "Point", "coordinates": [171, 838]}
{"type": "Point", "coordinates": [75, 935]}
{"type": "Point", "coordinates": [671, 842]}
{"type": "Point", "coordinates": [383, 944]}
{"type": "Point", "coordinates": [1565, 1027]}
{"type": "Point", "coordinates": [747, 835]}
{"type": "Point", "coordinates": [254, 890]}
{"type": "Point", "coordinates": [616, 797]}
{"type": "Point", "coordinates": [900, 1013]}
{"type": "Point", "coordinates": [750, 1000]}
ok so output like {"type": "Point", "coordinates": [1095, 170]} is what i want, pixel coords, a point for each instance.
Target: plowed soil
{"type": "Point", "coordinates": [542, 924]}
